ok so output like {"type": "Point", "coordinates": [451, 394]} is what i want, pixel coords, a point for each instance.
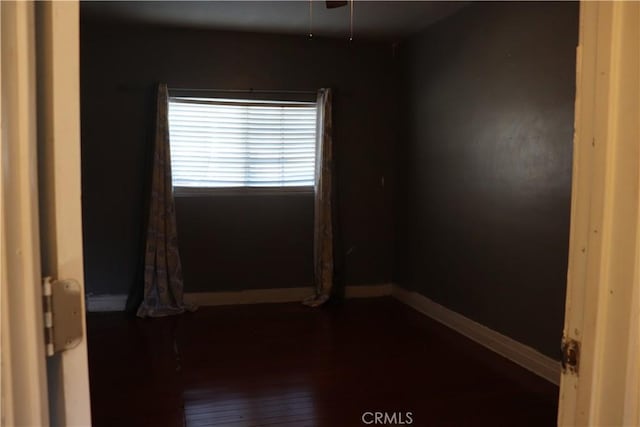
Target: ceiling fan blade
{"type": "Point", "coordinates": [334, 4]}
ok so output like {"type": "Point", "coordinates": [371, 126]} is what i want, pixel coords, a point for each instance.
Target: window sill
{"type": "Point", "coordinates": [241, 191]}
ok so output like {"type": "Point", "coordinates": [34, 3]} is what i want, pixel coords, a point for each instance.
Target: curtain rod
{"type": "Point", "coordinates": [250, 90]}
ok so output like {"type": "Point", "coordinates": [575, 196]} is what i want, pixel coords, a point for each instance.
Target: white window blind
{"type": "Point", "coordinates": [230, 143]}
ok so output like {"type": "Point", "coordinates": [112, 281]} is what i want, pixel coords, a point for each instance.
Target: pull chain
{"type": "Point", "coordinates": [310, 18]}
{"type": "Point", "coordinates": [351, 20]}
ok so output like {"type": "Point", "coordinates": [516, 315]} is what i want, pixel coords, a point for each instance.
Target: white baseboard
{"type": "Point", "coordinates": [249, 296]}
{"type": "Point", "coordinates": [509, 348]}
{"type": "Point", "coordinates": [115, 302]}
{"type": "Point", "coordinates": [368, 291]}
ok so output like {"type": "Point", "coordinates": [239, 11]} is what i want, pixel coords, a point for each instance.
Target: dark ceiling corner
{"type": "Point", "coordinates": [378, 20]}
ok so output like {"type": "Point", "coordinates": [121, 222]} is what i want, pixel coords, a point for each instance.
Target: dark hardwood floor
{"type": "Point", "coordinates": [289, 365]}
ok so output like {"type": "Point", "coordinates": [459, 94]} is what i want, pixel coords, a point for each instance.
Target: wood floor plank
{"type": "Point", "coordinates": [289, 365]}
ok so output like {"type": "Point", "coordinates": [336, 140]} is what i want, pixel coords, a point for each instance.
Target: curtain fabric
{"type": "Point", "coordinates": [163, 285]}
{"type": "Point", "coordinates": [323, 261]}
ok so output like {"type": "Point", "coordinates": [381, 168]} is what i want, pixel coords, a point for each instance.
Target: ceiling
{"type": "Point", "coordinates": [372, 19]}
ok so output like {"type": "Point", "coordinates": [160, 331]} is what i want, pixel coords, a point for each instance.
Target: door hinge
{"type": "Point", "coordinates": [62, 303]}
{"type": "Point", "coordinates": [570, 355]}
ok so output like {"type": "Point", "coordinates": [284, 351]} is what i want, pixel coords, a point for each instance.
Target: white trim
{"type": "Point", "coordinates": [96, 303]}
{"type": "Point", "coordinates": [23, 387]}
{"type": "Point", "coordinates": [117, 302]}
{"type": "Point", "coordinates": [249, 296]}
{"type": "Point", "coordinates": [513, 350]}
{"type": "Point", "coordinates": [369, 291]}
{"type": "Point", "coordinates": [58, 59]}
{"type": "Point", "coordinates": [603, 280]}
{"type": "Point", "coordinates": [305, 190]}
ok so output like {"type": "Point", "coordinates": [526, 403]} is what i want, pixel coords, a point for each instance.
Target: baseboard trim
{"type": "Point", "coordinates": [369, 291]}
{"type": "Point", "coordinates": [249, 296]}
{"type": "Point", "coordinates": [509, 348]}
{"type": "Point", "coordinates": [96, 303]}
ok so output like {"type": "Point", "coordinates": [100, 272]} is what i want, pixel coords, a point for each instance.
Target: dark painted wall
{"type": "Point", "coordinates": [484, 225]}
{"type": "Point", "coordinates": [232, 242]}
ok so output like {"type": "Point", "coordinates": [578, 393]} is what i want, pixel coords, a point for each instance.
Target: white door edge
{"type": "Point", "coordinates": [24, 391]}
{"type": "Point", "coordinates": [602, 285]}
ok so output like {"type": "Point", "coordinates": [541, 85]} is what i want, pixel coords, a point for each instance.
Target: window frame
{"type": "Point", "coordinates": [241, 191]}
{"type": "Point", "coordinates": [248, 98]}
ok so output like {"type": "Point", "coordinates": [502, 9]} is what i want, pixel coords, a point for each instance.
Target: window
{"type": "Point", "coordinates": [228, 143]}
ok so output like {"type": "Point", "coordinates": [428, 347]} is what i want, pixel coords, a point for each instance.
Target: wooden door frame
{"type": "Point", "coordinates": [40, 209]}
{"type": "Point", "coordinates": [24, 377]}
{"type": "Point", "coordinates": [58, 77]}
{"type": "Point", "coordinates": [602, 302]}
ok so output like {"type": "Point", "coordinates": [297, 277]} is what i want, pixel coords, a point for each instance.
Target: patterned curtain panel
{"type": "Point", "coordinates": [163, 286]}
{"type": "Point", "coordinates": [323, 218]}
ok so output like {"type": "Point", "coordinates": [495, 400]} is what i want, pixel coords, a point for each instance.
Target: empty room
{"type": "Point", "coordinates": [336, 213]}
{"type": "Point", "coordinates": [448, 183]}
